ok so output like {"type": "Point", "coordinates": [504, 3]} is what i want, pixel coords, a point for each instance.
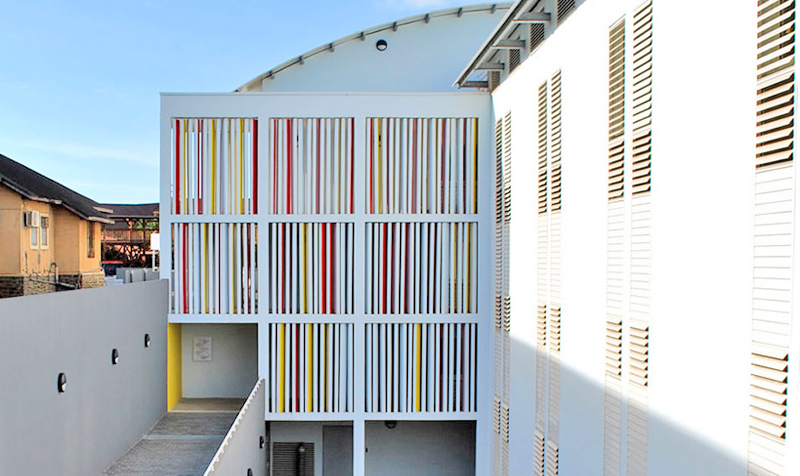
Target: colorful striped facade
{"type": "Point", "coordinates": [353, 242]}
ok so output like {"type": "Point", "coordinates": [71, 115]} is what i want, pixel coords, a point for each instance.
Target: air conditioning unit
{"type": "Point", "coordinates": [32, 219]}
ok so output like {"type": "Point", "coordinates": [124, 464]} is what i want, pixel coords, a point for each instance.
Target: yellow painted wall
{"type": "Point", "coordinates": [86, 263]}
{"type": "Point", "coordinates": [10, 223]}
{"type": "Point", "coordinates": [35, 259]}
{"type": "Point", "coordinates": [174, 365]}
{"type": "Point", "coordinates": [66, 239]}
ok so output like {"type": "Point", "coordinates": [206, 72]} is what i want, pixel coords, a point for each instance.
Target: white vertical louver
{"type": "Point", "coordinates": [309, 268]}
{"type": "Point", "coordinates": [422, 165]}
{"type": "Point", "coordinates": [421, 268]}
{"type": "Point", "coordinates": [414, 367]}
{"type": "Point", "coordinates": [615, 251]}
{"type": "Point", "coordinates": [310, 167]}
{"type": "Point", "coordinates": [310, 367]}
{"type": "Point", "coordinates": [639, 304]}
{"type": "Point", "coordinates": [214, 268]}
{"type": "Point", "coordinates": [774, 238]}
{"type": "Point", "coordinates": [214, 166]}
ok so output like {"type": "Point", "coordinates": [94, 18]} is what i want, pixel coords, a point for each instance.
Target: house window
{"type": "Point", "coordinates": [90, 240]}
{"type": "Point", "coordinates": [34, 238]}
{"type": "Point", "coordinates": [45, 232]}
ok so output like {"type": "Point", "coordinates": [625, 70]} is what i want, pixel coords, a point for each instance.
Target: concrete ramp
{"type": "Point", "coordinates": [181, 443]}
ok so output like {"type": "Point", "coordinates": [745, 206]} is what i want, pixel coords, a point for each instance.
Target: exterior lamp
{"type": "Point", "coordinates": [147, 340]}
{"type": "Point", "coordinates": [261, 442]}
{"type": "Point", "coordinates": [114, 357]}
{"type": "Point", "coordinates": [381, 45]}
{"type": "Point", "coordinates": [390, 424]}
{"type": "Point", "coordinates": [62, 382]}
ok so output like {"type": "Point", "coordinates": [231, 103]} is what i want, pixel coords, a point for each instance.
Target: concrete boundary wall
{"type": "Point", "coordinates": [242, 449]}
{"type": "Point", "coordinates": [106, 408]}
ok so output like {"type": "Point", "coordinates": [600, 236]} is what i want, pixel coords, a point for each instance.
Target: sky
{"type": "Point", "coordinates": [80, 79]}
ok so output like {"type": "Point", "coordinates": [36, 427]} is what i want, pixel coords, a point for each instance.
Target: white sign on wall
{"type": "Point", "coordinates": [202, 349]}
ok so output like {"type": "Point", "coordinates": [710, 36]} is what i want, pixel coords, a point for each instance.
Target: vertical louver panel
{"type": "Point", "coordinates": [421, 367]}
{"type": "Point", "coordinates": [616, 110]}
{"type": "Point", "coordinates": [565, 7]}
{"type": "Point", "coordinates": [422, 165]}
{"type": "Point", "coordinates": [505, 415]}
{"type": "Point", "coordinates": [497, 417]}
{"type": "Point", "coordinates": [214, 166]}
{"type": "Point", "coordinates": [310, 268]}
{"type": "Point", "coordinates": [535, 35]}
{"type": "Point", "coordinates": [214, 268]}
{"type": "Point", "coordinates": [555, 143]}
{"type": "Point", "coordinates": [551, 467]}
{"type": "Point", "coordinates": [310, 368]}
{"type": "Point", "coordinates": [538, 453]}
{"type": "Point", "coordinates": [642, 92]}
{"type": "Point", "coordinates": [513, 59]}
{"type": "Point", "coordinates": [418, 268]}
{"type": "Point", "coordinates": [543, 144]}
{"type": "Point", "coordinates": [310, 168]}
{"type": "Point", "coordinates": [640, 240]}
{"type": "Point", "coordinates": [775, 120]}
{"type": "Point", "coordinates": [494, 80]}
{"type": "Point", "coordinates": [499, 337]}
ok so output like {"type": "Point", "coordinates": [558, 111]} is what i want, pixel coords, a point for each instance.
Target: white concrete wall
{"type": "Point", "coordinates": [106, 408]}
{"type": "Point", "coordinates": [703, 142]}
{"type": "Point", "coordinates": [241, 450]}
{"type": "Point", "coordinates": [233, 369]}
{"type": "Point", "coordinates": [420, 449]}
{"type": "Point", "coordinates": [420, 57]}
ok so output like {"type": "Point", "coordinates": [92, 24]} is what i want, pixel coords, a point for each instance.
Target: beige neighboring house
{"type": "Point", "coordinates": [49, 234]}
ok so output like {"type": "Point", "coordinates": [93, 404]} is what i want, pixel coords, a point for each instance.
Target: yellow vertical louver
{"type": "Point", "coordinates": [773, 237]}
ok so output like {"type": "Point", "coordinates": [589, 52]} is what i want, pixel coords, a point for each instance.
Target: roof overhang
{"type": "Point", "coordinates": [521, 12]}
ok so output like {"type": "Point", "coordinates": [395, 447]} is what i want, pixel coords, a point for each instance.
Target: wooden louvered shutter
{"type": "Point", "coordinates": [774, 238]}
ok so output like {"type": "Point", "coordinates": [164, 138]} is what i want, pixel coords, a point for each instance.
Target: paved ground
{"type": "Point", "coordinates": [181, 443]}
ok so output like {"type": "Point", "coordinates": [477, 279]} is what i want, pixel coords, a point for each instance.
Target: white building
{"type": "Point", "coordinates": [348, 227]}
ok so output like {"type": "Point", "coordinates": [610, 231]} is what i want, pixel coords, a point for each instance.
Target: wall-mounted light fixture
{"type": "Point", "coordinates": [390, 424]}
{"type": "Point", "coordinates": [114, 356]}
{"type": "Point", "coordinates": [261, 442]}
{"type": "Point", "coordinates": [62, 382]}
{"type": "Point", "coordinates": [147, 340]}
{"type": "Point", "coordinates": [249, 472]}
{"type": "Point", "coordinates": [381, 45]}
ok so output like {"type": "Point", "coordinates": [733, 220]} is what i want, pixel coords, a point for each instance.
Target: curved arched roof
{"type": "Point", "coordinates": [425, 52]}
